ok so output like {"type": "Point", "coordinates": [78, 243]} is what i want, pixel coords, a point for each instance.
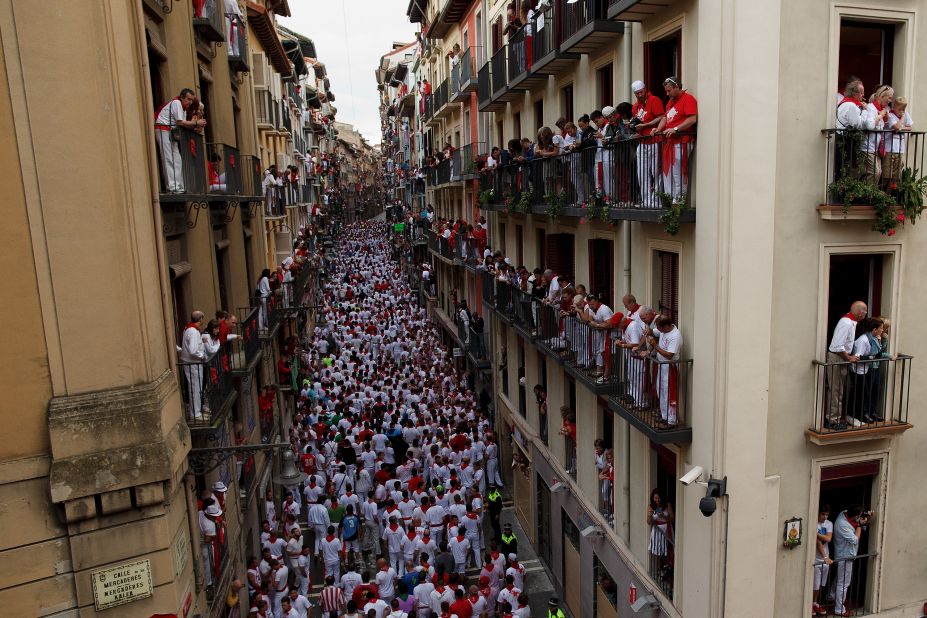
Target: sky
{"type": "Point", "coordinates": [351, 54]}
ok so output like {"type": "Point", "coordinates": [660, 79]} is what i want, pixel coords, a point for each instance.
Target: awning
{"type": "Point", "coordinates": [266, 33]}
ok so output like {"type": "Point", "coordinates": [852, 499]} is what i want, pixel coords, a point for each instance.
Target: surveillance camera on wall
{"type": "Point", "coordinates": [591, 531]}
{"type": "Point", "coordinates": [645, 602]}
{"type": "Point", "coordinates": [694, 475]}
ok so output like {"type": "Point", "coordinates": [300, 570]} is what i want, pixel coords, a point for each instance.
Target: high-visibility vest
{"type": "Point", "coordinates": [494, 495]}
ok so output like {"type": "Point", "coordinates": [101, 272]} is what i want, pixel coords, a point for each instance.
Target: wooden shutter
{"type": "Point", "coordinates": [560, 254]}
{"type": "Point", "coordinates": [542, 248]}
{"type": "Point", "coordinates": [601, 270]}
{"type": "Point", "coordinates": [497, 34]}
{"type": "Point", "coordinates": [669, 285]}
{"type": "Point", "coordinates": [519, 247]}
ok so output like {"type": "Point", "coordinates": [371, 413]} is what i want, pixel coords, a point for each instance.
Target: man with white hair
{"type": "Point", "coordinates": [192, 356]}
{"type": "Point", "coordinates": [647, 112]}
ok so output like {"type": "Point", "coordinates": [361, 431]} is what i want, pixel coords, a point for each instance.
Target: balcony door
{"type": "Point", "coordinates": [666, 284]}
{"type": "Point", "coordinates": [866, 51]}
{"type": "Point", "coordinates": [662, 59]}
{"type": "Point", "coordinates": [559, 254]}
{"type": "Point", "coordinates": [572, 564]}
{"type": "Point", "coordinates": [855, 277]}
{"type": "Point", "coordinates": [602, 270]}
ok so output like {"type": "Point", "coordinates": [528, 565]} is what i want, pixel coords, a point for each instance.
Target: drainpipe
{"type": "Point", "coordinates": [626, 278]}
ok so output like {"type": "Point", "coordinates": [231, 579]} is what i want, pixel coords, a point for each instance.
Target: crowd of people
{"type": "Point", "coordinates": [401, 461]}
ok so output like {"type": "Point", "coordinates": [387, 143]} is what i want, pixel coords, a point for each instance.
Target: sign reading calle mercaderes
{"type": "Point", "coordinates": [121, 584]}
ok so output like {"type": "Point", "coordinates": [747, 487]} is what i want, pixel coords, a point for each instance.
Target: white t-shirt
{"type": "Point", "coordinates": [824, 528]}
{"type": "Point", "coordinates": [671, 342]}
{"type": "Point", "coordinates": [171, 113]}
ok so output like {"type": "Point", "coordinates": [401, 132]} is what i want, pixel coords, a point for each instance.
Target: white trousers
{"type": "Point", "coordinates": [193, 374]}
{"type": "Point", "coordinates": [171, 162]}
{"type": "Point", "coordinates": [648, 176]}
{"type": "Point", "coordinates": [842, 584]}
{"type": "Point", "coordinates": [637, 370]}
{"type": "Point", "coordinates": [674, 182]}
{"type": "Point", "coordinates": [667, 411]}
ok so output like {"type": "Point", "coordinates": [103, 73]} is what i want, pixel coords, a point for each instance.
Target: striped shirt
{"type": "Point", "coordinates": [331, 599]}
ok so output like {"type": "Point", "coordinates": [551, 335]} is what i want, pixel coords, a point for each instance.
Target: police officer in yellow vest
{"type": "Point", "coordinates": [495, 512]}
{"type": "Point", "coordinates": [509, 541]}
{"type": "Point", "coordinates": [553, 611]}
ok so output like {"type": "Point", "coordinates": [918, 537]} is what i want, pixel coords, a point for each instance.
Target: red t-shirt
{"type": "Point", "coordinates": [462, 608]}
{"type": "Point", "coordinates": [677, 110]}
{"type": "Point", "coordinates": [653, 108]}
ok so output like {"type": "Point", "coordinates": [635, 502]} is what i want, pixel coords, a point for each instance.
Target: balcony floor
{"type": "Point", "coordinates": [823, 437]}
{"type": "Point", "coordinates": [593, 36]}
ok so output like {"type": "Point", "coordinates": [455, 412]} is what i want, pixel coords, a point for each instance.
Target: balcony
{"type": "Point", "coordinates": [474, 344]}
{"type": "Point", "coordinates": [252, 177]}
{"type": "Point", "coordinates": [183, 164]}
{"type": "Point", "coordinates": [546, 56]}
{"type": "Point", "coordinates": [239, 57]}
{"type": "Point", "coordinates": [441, 108]}
{"type": "Point", "coordinates": [635, 10]}
{"type": "Point", "coordinates": [464, 163]}
{"type": "Point", "coordinates": [502, 62]}
{"type": "Point", "coordinates": [484, 90]}
{"type": "Point", "coordinates": [521, 51]}
{"type": "Point", "coordinates": [863, 184]}
{"type": "Point", "coordinates": [207, 389]}
{"type": "Point", "coordinates": [246, 348]}
{"type": "Point", "coordinates": [865, 400]}
{"type": "Point", "coordinates": [440, 246]}
{"type": "Point", "coordinates": [585, 27]}
{"type": "Point", "coordinates": [265, 110]}
{"type": "Point", "coordinates": [209, 20]}
{"type": "Point", "coordinates": [223, 170]}
{"type": "Point", "coordinates": [463, 77]}
{"type": "Point", "coordinates": [498, 70]}
{"type": "Point", "coordinates": [608, 184]}
{"type": "Point", "coordinates": [270, 313]}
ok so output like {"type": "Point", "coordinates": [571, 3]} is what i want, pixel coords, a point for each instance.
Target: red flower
{"type": "Point", "coordinates": [894, 186]}
{"type": "Point", "coordinates": [583, 220]}
{"type": "Point", "coordinates": [900, 217]}
{"type": "Point", "coordinates": [891, 232]}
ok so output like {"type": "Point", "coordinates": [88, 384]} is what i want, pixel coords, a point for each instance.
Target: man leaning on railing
{"type": "Point", "coordinates": [169, 118]}
{"type": "Point", "coordinates": [192, 355]}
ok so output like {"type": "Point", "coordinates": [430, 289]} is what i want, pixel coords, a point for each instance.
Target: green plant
{"type": "Point", "coordinates": [911, 189]}
{"type": "Point", "coordinates": [851, 191]}
{"type": "Point", "coordinates": [511, 201]}
{"type": "Point", "coordinates": [487, 197]}
{"type": "Point", "coordinates": [598, 207]}
{"type": "Point", "coordinates": [672, 212]}
{"type": "Point", "coordinates": [555, 202]}
{"type": "Point", "coordinates": [525, 200]}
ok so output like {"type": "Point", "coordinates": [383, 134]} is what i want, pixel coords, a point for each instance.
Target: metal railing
{"type": "Point", "coordinates": [652, 388]}
{"type": "Point", "coordinates": [484, 84]}
{"type": "Point", "coordinates": [270, 310]}
{"type": "Point", "coordinates": [498, 69]}
{"type": "Point", "coordinates": [517, 56]}
{"type": "Point", "coordinates": [861, 395]}
{"type": "Point", "coordinates": [577, 14]}
{"type": "Point", "coordinates": [647, 172]}
{"type": "Point", "coordinates": [877, 158]}
{"type": "Point", "coordinates": [264, 107]}
{"type": "Point", "coordinates": [223, 170]}
{"type": "Point", "coordinates": [237, 37]}
{"type": "Point", "coordinates": [845, 584]}
{"type": "Point", "coordinates": [244, 348]}
{"type": "Point", "coordinates": [440, 97]}
{"type": "Point", "coordinates": [544, 27]}
{"type": "Point", "coordinates": [662, 551]}
{"type": "Point", "coordinates": [209, 19]}
{"type": "Point", "coordinates": [443, 172]}
{"type": "Point", "coordinates": [205, 386]}
{"type": "Point", "coordinates": [183, 160]}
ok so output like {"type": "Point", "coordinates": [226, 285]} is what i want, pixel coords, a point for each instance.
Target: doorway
{"type": "Point", "coordinates": [867, 52]}
{"type": "Point", "coordinates": [852, 277]}
{"type": "Point", "coordinates": [543, 526]}
{"type": "Point", "coordinates": [662, 58]}
{"type": "Point", "coordinates": [572, 563]}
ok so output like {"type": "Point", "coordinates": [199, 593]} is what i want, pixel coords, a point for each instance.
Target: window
{"type": "Point", "coordinates": [538, 115]}
{"type": "Point", "coordinates": [500, 137]}
{"type": "Point", "coordinates": [601, 270]}
{"type": "Point", "coordinates": [516, 125]}
{"type": "Point", "coordinates": [504, 361]}
{"type": "Point", "coordinates": [662, 551]}
{"type": "Point", "coordinates": [541, 248]}
{"type": "Point", "coordinates": [559, 254]}
{"type": "Point", "coordinates": [866, 51]}
{"type": "Point", "coordinates": [566, 102]}
{"type": "Point", "coordinates": [857, 277]}
{"type": "Point", "coordinates": [845, 487]}
{"type": "Point", "coordinates": [661, 60]}
{"type": "Point", "coordinates": [519, 247]}
{"type": "Point", "coordinates": [497, 34]}
{"type": "Point", "coordinates": [605, 600]}
{"type": "Point", "coordinates": [544, 541]}
{"type": "Point", "coordinates": [666, 284]}
{"type": "Point", "coordinates": [501, 241]}
{"type": "Point", "coordinates": [571, 564]}
{"type": "Point", "coordinates": [606, 83]}
{"type": "Point", "coordinates": [522, 388]}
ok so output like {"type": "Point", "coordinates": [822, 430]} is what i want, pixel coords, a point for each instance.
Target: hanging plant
{"type": "Point", "coordinates": [487, 197]}
{"type": "Point", "coordinates": [524, 202]}
{"type": "Point", "coordinates": [911, 189]}
{"type": "Point", "coordinates": [598, 207]}
{"type": "Point", "coordinates": [511, 201]}
{"type": "Point", "coordinates": [555, 202]}
{"type": "Point", "coordinates": [851, 191]}
{"type": "Point", "coordinates": [672, 212]}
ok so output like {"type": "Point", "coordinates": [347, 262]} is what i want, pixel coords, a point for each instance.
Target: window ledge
{"type": "Point", "coordinates": [824, 437]}
{"type": "Point", "coordinates": [835, 212]}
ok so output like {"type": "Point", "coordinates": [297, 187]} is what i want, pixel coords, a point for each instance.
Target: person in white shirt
{"type": "Point", "coordinates": [631, 341]}
{"type": "Point", "coordinates": [822, 561]}
{"type": "Point", "coordinates": [171, 116]}
{"type": "Point", "coordinates": [876, 121]}
{"type": "Point", "coordinates": [667, 349]}
{"type": "Point", "coordinates": [330, 550]}
{"type": "Point", "coordinates": [286, 609]}
{"type": "Point", "coordinates": [300, 603]}
{"type": "Point", "coordinates": [318, 518]}
{"type": "Point", "coordinates": [192, 355]}
{"type": "Point", "coordinates": [377, 605]}
{"type": "Point", "coordinates": [839, 353]}
{"type": "Point", "coordinates": [278, 585]}
{"type": "Point", "coordinates": [601, 315]}
{"type": "Point", "coordinates": [386, 580]}
{"type": "Point", "coordinates": [900, 123]}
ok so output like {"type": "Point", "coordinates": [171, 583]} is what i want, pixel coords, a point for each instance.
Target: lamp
{"type": "Point", "coordinates": [289, 475]}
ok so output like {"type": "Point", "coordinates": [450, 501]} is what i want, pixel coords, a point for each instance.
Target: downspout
{"type": "Point", "coordinates": [626, 279]}
{"type": "Point", "coordinates": [166, 305]}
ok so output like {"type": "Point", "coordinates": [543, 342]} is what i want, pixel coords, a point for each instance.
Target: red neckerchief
{"type": "Point", "coordinates": [394, 527]}
{"type": "Point", "coordinates": [852, 317]}
{"type": "Point", "coordinates": [192, 325]}
{"type": "Point", "coordinates": [858, 104]}
{"type": "Point", "coordinates": [329, 537]}
{"type": "Point", "coordinates": [877, 105]}
{"type": "Point", "coordinates": [411, 535]}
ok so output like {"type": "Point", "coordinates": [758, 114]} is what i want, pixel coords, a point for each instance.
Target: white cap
{"type": "Point", "coordinates": [213, 510]}
{"type": "Point", "coordinates": [513, 557]}
{"type": "Point", "coordinates": [637, 86]}
{"type": "Point", "coordinates": [608, 110]}
{"type": "Point", "coordinates": [220, 487]}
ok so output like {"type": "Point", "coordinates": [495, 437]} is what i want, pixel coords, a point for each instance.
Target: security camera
{"type": "Point", "coordinates": [707, 506]}
{"type": "Point", "coordinates": [645, 602]}
{"type": "Point", "coordinates": [591, 531]}
{"type": "Point", "coordinates": [694, 475]}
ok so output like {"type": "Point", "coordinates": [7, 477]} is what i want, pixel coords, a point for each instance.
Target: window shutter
{"type": "Point", "coordinates": [669, 285]}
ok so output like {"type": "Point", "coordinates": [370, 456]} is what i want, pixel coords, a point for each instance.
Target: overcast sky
{"type": "Point", "coordinates": [352, 53]}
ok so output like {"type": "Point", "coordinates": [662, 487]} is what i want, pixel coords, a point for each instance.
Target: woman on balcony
{"type": "Point", "coordinates": [660, 518]}
{"type": "Point", "coordinates": [864, 400]}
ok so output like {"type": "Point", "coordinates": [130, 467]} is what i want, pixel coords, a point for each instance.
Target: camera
{"type": "Point", "coordinates": [692, 476]}
{"type": "Point", "coordinates": [707, 505]}
{"type": "Point", "coordinates": [634, 122]}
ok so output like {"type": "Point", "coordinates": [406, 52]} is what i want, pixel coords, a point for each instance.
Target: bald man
{"type": "Point", "coordinates": [838, 355]}
{"type": "Point", "coordinates": [192, 355]}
